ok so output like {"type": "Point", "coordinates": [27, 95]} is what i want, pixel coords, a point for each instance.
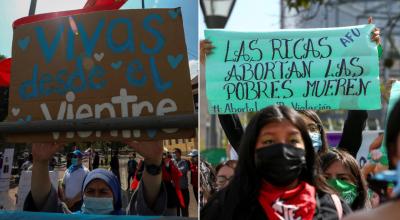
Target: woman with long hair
{"type": "Point", "coordinates": [343, 174]}
{"type": "Point", "coordinates": [276, 176]}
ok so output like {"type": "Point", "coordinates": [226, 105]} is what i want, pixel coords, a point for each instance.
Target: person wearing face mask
{"type": "Point", "coordinates": [101, 192]}
{"type": "Point", "coordinates": [73, 180]}
{"type": "Point", "coordinates": [391, 209]}
{"type": "Point", "coordinates": [351, 135]}
{"type": "Point", "coordinates": [316, 130]}
{"type": "Point", "coordinates": [344, 175]}
{"type": "Point", "coordinates": [276, 176]}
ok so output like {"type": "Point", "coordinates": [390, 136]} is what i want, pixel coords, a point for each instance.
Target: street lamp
{"type": "Point", "coordinates": [32, 7]}
{"type": "Point", "coordinates": [216, 14]}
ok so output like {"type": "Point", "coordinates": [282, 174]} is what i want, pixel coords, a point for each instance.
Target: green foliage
{"type": "Point", "coordinates": [302, 4]}
{"type": "Point", "coordinates": [2, 57]}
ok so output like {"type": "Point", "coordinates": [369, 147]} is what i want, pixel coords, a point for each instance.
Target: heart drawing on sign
{"type": "Point", "coordinates": [116, 65]}
{"type": "Point", "coordinates": [15, 111]}
{"type": "Point", "coordinates": [23, 43]}
{"type": "Point", "coordinates": [174, 60]}
{"type": "Point", "coordinates": [98, 56]}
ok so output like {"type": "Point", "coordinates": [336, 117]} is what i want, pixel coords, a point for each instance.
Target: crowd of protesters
{"type": "Point", "coordinates": [157, 181]}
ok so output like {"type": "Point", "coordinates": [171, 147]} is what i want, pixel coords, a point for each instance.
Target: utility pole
{"type": "Point", "coordinates": [282, 15]}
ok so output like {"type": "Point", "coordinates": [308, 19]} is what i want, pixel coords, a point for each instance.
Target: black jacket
{"type": "Point", "coordinates": [216, 209]}
{"type": "Point", "coordinates": [352, 131]}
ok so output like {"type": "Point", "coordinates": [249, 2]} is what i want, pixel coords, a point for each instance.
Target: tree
{"type": "Point", "coordinates": [2, 57]}
{"type": "Point", "coordinates": [302, 4]}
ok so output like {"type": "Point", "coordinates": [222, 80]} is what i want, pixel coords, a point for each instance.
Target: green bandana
{"type": "Point", "coordinates": [348, 191]}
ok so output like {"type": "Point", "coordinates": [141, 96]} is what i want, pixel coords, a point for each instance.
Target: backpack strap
{"type": "Point", "coordinates": [338, 205]}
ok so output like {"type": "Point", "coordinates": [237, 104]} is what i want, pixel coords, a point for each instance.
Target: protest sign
{"type": "Point", "coordinates": [393, 99]}
{"type": "Point", "coordinates": [24, 186]}
{"type": "Point", "coordinates": [367, 138]}
{"type": "Point", "coordinates": [6, 164]}
{"type": "Point", "coordinates": [319, 69]}
{"type": "Point", "coordinates": [109, 64]}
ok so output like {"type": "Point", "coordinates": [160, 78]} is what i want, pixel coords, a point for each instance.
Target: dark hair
{"type": "Point", "coordinates": [243, 189]}
{"type": "Point", "coordinates": [392, 134]}
{"type": "Point", "coordinates": [178, 150]}
{"type": "Point", "coordinates": [315, 118]}
{"type": "Point", "coordinates": [348, 161]}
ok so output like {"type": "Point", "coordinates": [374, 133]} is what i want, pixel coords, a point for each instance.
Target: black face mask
{"type": "Point", "coordinates": [280, 164]}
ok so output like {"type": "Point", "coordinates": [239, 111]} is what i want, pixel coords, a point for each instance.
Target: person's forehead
{"type": "Point", "coordinates": [98, 183]}
{"type": "Point", "coordinates": [226, 170]}
{"type": "Point", "coordinates": [337, 168]}
{"type": "Point", "coordinates": [274, 127]}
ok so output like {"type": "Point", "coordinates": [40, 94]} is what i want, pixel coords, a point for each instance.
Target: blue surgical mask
{"type": "Point", "coordinates": [316, 140]}
{"type": "Point", "coordinates": [95, 205]}
{"type": "Point", "coordinates": [396, 189]}
{"type": "Point", "coordinates": [74, 161]}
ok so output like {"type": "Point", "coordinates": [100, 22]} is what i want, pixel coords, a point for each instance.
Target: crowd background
{"type": "Point", "coordinates": [117, 157]}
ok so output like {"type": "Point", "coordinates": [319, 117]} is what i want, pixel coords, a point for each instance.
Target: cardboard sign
{"type": "Point", "coordinates": [109, 64]}
{"type": "Point", "coordinates": [24, 186]}
{"type": "Point", "coordinates": [319, 69]}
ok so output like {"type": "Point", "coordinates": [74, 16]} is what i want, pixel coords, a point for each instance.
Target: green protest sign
{"type": "Point", "coordinates": [319, 69]}
{"type": "Point", "coordinates": [394, 97]}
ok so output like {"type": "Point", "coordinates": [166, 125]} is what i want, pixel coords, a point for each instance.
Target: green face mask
{"type": "Point", "coordinates": [348, 191]}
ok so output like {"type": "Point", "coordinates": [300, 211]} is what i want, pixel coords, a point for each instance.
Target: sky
{"type": "Point", "coordinates": [250, 15]}
{"type": "Point", "coordinates": [14, 9]}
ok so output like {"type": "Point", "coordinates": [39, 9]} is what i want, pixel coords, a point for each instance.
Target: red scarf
{"type": "Point", "coordinates": [281, 204]}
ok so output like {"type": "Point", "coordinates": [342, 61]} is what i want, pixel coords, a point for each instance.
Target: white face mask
{"type": "Point", "coordinates": [94, 205]}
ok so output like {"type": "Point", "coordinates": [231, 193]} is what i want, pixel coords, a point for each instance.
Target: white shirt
{"type": "Point", "coordinates": [73, 182]}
